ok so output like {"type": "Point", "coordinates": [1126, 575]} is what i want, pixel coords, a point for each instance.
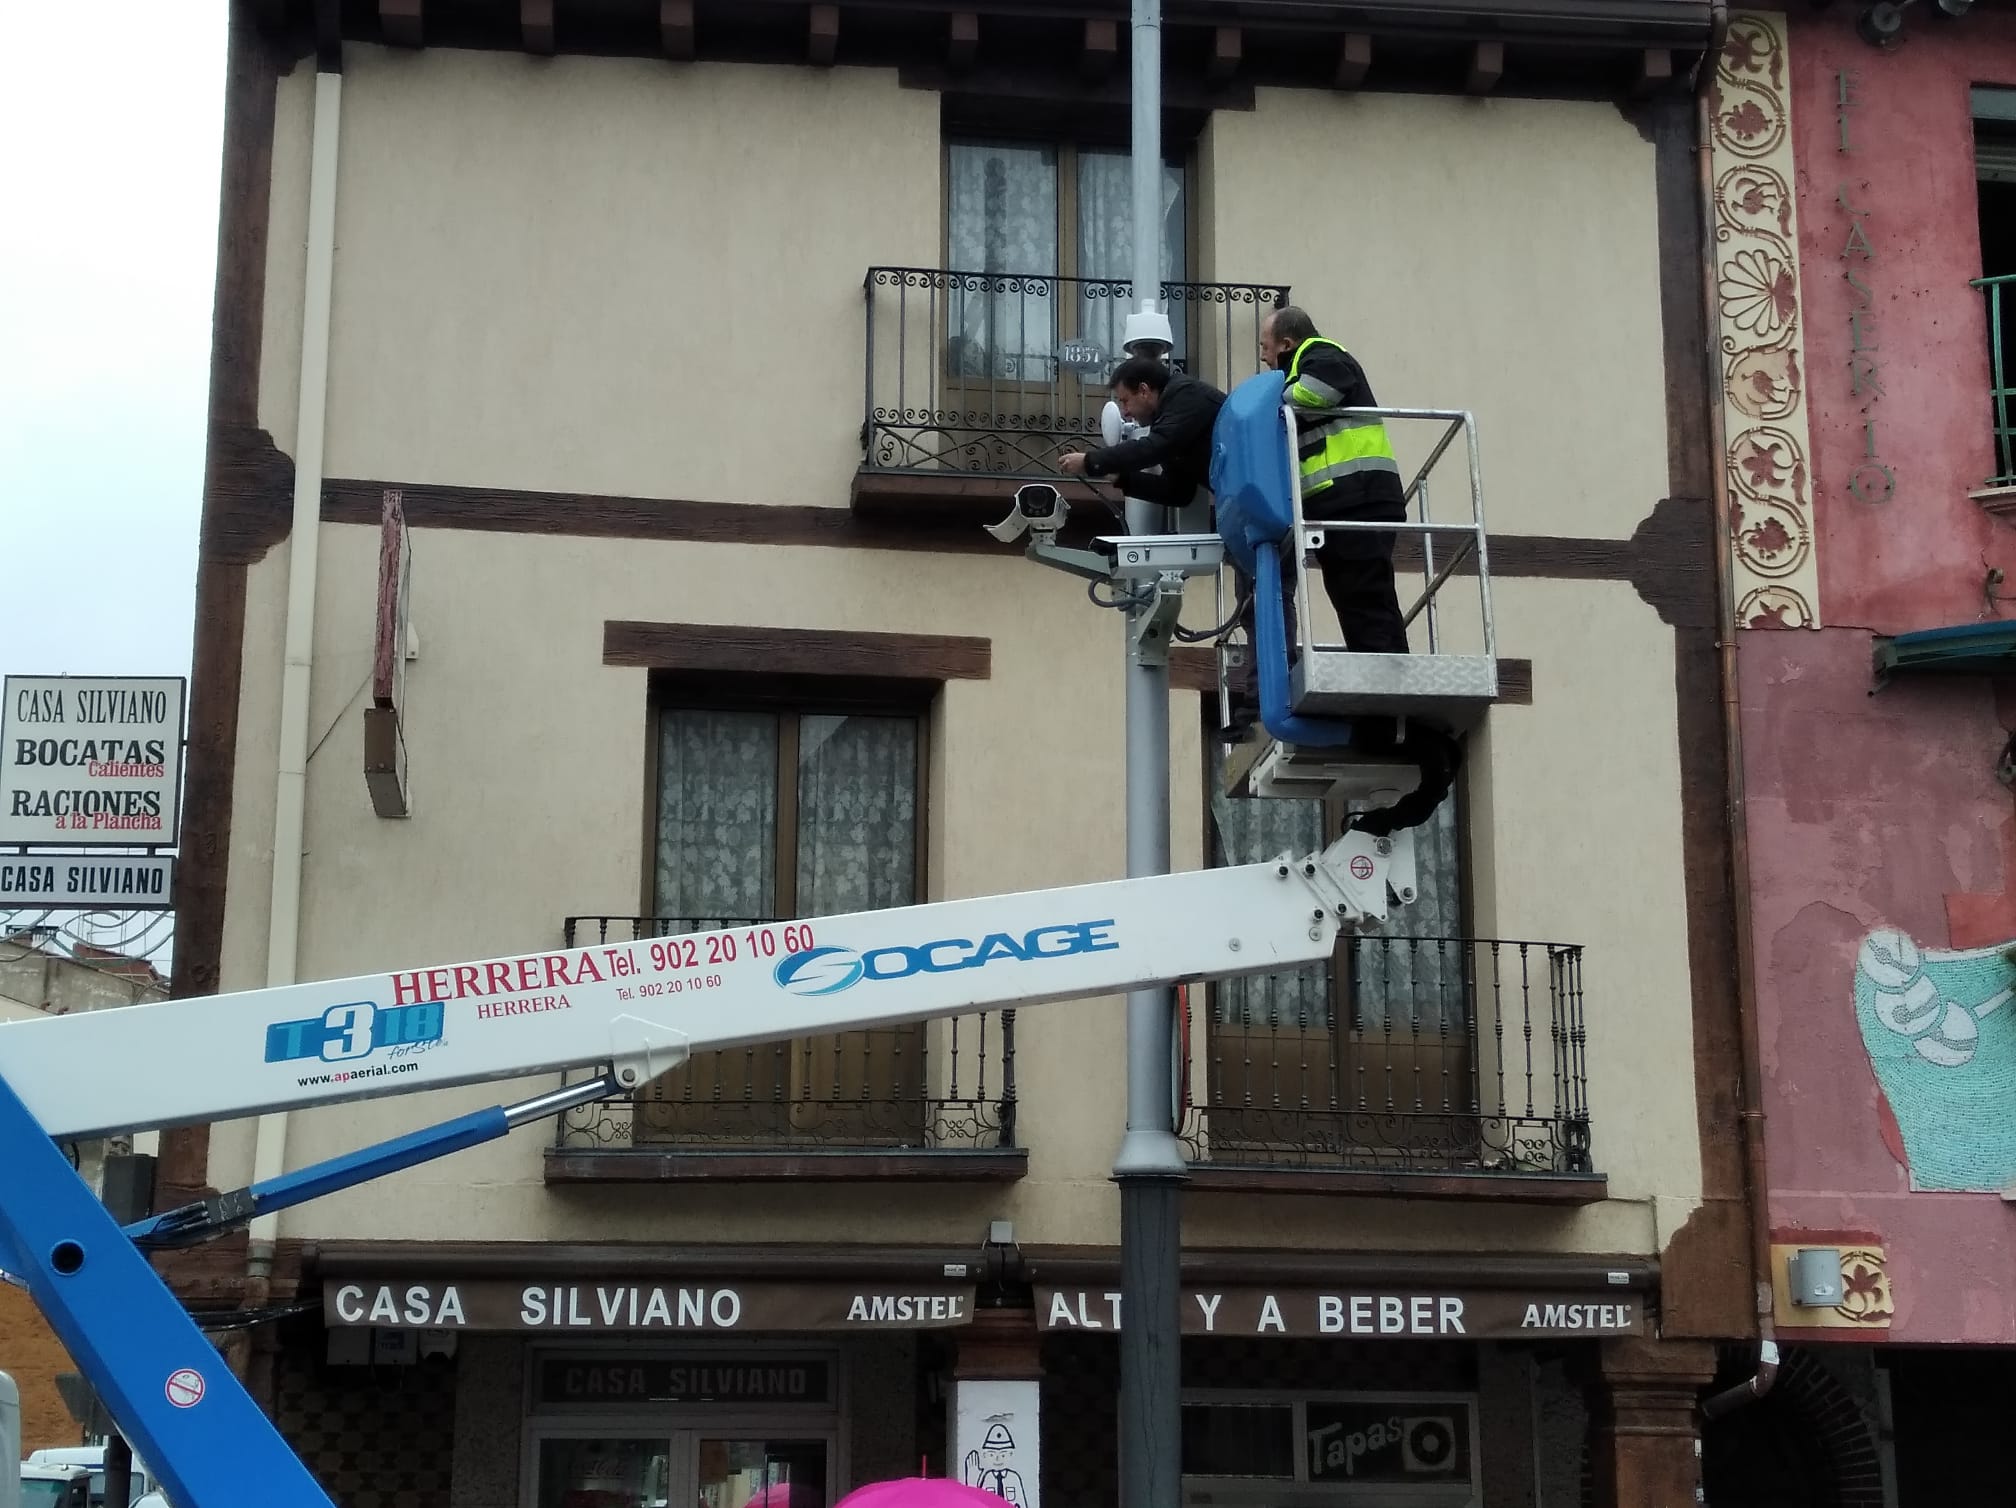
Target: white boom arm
{"type": "Point", "coordinates": [640, 1007]}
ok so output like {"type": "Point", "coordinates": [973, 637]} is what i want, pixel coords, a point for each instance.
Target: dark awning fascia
{"type": "Point", "coordinates": [1962, 649]}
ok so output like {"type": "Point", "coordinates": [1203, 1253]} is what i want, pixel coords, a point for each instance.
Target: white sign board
{"type": "Point", "coordinates": [91, 760]}
{"type": "Point", "coordinates": [120, 881]}
{"type": "Point", "coordinates": [994, 1438]}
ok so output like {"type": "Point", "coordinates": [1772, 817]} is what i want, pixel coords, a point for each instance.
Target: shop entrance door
{"type": "Point", "coordinates": [700, 1468]}
{"type": "Point", "coordinates": [751, 1471]}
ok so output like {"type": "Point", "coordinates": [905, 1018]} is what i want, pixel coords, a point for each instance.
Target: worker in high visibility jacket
{"type": "Point", "coordinates": [1348, 472]}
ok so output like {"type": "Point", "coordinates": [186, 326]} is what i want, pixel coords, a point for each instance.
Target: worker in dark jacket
{"type": "Point", "coordinates": [1182, 410]}
{"type": "Point", "coordinates": [1348, 472]}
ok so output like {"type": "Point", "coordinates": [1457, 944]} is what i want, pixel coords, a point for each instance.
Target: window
{"type": "Point", "coordinates": [1021, 211]}
{"type": "Point", "coordinates": [766, 813]}
{"type": "Point", "coordinates": [784, 814]}
{"type": "Point", "coordinates": [1366, 1054]}
{"type": "Point", "coordinates": [1343, 1449]}
{"type": "Point", "coordinates": [1995, 172]}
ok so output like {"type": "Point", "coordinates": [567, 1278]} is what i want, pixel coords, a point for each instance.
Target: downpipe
{"type": "Point", "coordinates": [1756, 1182]}
{"type": "Point", "coordinates": [269, 1145]}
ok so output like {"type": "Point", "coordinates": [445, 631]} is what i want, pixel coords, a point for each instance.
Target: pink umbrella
{"type": "Point", "coordinates": [920, 1492]}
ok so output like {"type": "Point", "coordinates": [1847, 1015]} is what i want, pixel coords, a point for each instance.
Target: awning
{"type": "Point", "coordinates": [1964, 649]}
{"type": "Point", "coordinates": [615, 1307]}
{"type": "Point", "coordinates": [1419, 1312]}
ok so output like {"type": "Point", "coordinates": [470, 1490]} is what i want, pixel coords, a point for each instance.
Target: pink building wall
{"type": "Point", "coordinates": [1880, 813]}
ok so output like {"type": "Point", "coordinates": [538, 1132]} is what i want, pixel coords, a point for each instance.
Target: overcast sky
{"type": "Point", "coordinates": [111, 125]}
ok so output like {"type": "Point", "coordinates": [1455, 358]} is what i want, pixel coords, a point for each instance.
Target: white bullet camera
{"type": "Point", "coordinates": [1039, 509]}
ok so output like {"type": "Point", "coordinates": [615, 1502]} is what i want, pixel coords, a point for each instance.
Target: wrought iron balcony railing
{"type": "Point", "coordinates": [946, 1086]}
{"type": "Point", "coordinates": [1405, 1054]}
{"type": "Point", "coordinates": [2001, 293]}
{"type": "Point", "coordinates": [994, 372]}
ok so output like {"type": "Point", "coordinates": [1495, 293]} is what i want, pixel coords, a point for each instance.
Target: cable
{"type": "Point", "coordinates": [245, 1319]}
{"type": "Point", "coordinates": [1204, 635]}
{"type": "Point", "coordinates": [1121, 603]}
{"type": "Point", "coordinates": [1099, 491]}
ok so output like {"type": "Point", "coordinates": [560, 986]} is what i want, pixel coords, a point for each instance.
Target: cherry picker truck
{"type": "Point", "coordinates": [638, 1009]}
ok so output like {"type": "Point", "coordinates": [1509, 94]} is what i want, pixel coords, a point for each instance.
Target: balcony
{"type": "Point", "coordinates": [975, 379]}
{"type": "Point", "coordinates": [933, 1102]}
{"type": "Point", "coordinates": [1426, 1066]}
{"type": "Point", "coordinates": [1998, 493]}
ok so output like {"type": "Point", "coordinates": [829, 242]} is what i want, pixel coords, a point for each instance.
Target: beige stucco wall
{"type": "Point", "coordinates": [599, 275]}
{"type": "Point", "coordinates": [18, 1010]}
{"type": "Point", "coordinates": [570, 274]}
{"type": "Point", "coordinates": [1496, 255]}
{"type": "Point", "coordinates": [528, 778]}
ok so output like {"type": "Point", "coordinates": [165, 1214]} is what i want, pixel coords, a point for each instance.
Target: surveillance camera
{"type": "Point", "coordinates": [1037, 500]}
{"type": "Point", "coordinates": [1039, 507]}
{"type": "Point", "coordinates": [1953, 8]}
{"type": "Point", "coordinates": [1880, 24]}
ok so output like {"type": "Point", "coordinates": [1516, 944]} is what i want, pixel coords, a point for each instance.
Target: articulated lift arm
{"type": "Point", "coordinates": [632, 1010]}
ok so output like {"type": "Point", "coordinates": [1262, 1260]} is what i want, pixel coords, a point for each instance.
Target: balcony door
{"type": "Point", "coordinates": [1039, 245]}
{"type": "Point", "coordinates": [1367, 1060]}
{"type": "Point", "coordinates": [779, 813]}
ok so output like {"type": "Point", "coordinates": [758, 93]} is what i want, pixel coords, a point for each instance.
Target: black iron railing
{"type": "Point", "coordinates": [943, 1086]}
{"type": "Point", "coordinates": [2002, 376]}
{"type": "Point", "coordinates": [995, 371]}
{"type": "Point", "coordinates": [1414, 1054]}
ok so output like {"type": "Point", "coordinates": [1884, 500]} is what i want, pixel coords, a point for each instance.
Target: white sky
{"type": "Point", "coordinates": [111, 131]}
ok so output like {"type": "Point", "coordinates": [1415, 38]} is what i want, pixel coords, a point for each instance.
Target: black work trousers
{"type": "Point", "coordinates": [1357, 566]}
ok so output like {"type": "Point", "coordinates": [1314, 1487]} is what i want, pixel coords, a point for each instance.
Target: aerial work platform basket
{"type": "Point", "coordinates": [1328, 715]}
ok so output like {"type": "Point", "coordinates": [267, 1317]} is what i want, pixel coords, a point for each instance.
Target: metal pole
{"type": "Point", "coordinates": [1146, 53]}
{"type": "Point", "coordinates": [1150, 1168]}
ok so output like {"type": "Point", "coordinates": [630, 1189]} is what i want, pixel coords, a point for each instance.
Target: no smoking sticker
{"type": "Point", "coordinates": [1361, 867]}
{"type": "Point", "coordinates": [185, 1388]}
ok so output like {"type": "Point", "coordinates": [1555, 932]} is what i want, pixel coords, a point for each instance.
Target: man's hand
{"type": "Point", "coordinates": [1072, 463]}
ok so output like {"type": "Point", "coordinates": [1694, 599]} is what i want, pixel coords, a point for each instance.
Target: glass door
{"type": "Point", "coordinates": [754, 1472]}
{"type": "Point", "coordinates": [609, 1472]}
{"type": "Point", "coordinates": [684, 1468]}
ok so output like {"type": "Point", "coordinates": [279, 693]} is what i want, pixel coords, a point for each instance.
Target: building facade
{"type": "Point", "coordinates": [1862, 165]}
{"type": "Point", "coordinates": [606, 401]}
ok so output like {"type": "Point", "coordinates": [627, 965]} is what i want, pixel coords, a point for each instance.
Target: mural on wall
{"type": "Point", "coordinates": [995, 1440]}
{"type": "Point", "coordinates": [1940, 1031]}
{"type": "Point", "coordinates": [1763, 354]}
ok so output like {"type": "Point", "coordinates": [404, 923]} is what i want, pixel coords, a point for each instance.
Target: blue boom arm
{"type": "Point", "coordinates": [1253, 481]}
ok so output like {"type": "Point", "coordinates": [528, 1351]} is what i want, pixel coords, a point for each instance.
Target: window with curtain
{"type": "Point", "coordinates": [768, 813]}
{"type": "Point", "coordinates": [784, 815]}
{"type": "Point", "coordinates": [1043, 212]}
{"type": "Point", "coordinates": [1390, 971]}
{"type": "Point", "coordinates": [1330, 1039]}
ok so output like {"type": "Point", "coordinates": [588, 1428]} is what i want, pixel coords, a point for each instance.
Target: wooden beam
{"type": "Point", "coordinates": [1655, 71]}
{"type": "Point", "coordinates": [738, 650]}
{"type": "Point", "coordinates": [1102, 48]}
{"type": "Point", "coordinates": [328, 36]}
{"type": "Point", "coordinates": [1226, 46]}
{"type": "Point", "coordinates": [535, 21]}
{"type": "Point", "coordinates": [675, 28]}
{"type": "Point", "coordinates": [965, 42]}
{"type": "Point", "coordinates": [1353, 59]}
{"type": "Point", "coordinates": [1487, 67]}
{"type": "Point", "coordinates": [399, 20]}
{"type": "Point", "coordinates": [823, 34]}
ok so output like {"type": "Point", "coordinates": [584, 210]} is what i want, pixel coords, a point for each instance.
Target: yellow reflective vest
{"type": "Point", "coordinates": [1334, 447]}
